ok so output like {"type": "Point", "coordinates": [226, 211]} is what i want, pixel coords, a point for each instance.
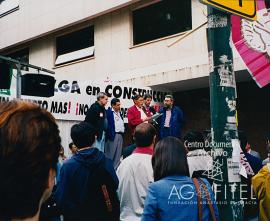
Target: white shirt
{"type": "Point", "coordinates": [199, 160]}
{"type": "Point", "coordinates": [143, 115]}
{"type": "Point", "coordinates": [118, 122]}
{"type": "Point", "coordinates": [135, 173]}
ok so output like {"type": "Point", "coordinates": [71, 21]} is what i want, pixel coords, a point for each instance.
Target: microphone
{"type": "Point", "coordinates": [155, 122]}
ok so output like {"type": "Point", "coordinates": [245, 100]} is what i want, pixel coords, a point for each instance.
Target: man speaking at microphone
{"type": "Point", "coordinates": [172, 119]}
{"type": "Point", "coordinates": [136, 115]}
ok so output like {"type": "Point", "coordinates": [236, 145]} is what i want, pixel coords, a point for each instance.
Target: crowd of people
{"type": "Point", "coordinates": [160, 176]}
{"type": "Point", "coordinates": [111, 128]}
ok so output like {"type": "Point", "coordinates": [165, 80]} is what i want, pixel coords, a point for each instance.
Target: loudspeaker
{"type": "Point", "coordinates": [39, 85]}
{"type": "Point", "coordinates": [5, 76]}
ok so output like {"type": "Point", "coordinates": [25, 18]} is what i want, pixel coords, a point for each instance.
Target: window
{"type": "Point", "coordinates": [8, 6]}
{"type": "Point", "coordinates": [75, 46]}
{"type": "Point", "coordinates": [162, 19]}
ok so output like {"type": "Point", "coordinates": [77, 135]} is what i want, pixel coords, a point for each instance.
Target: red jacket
{"type": "Point", "coordinates": [134, 118]}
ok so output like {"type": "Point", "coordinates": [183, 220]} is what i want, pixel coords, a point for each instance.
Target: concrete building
{"type": "Point", "coordinates": [147, 43]}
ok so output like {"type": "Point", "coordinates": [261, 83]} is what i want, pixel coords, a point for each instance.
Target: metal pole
{"type": "Point", "coordinates": [19, 66]}
{"type": "Point", "coordinates": [223, 116]}
{"type": "Point", "coordinates": [22, 64]}
{"type": "Point", "coordinates": [19, 82]}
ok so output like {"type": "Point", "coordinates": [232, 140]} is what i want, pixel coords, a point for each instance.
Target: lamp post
{"type": "Point", "coordinates": [223, 115]}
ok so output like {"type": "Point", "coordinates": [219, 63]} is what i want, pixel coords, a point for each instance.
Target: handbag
{"type": "Point", "coordinates": [199, 199]}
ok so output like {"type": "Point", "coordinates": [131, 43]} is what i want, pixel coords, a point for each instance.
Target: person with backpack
{"type": "Point", "coordinates": [174, 195]}
{"type": "Point", "coordinates": [87, 188]}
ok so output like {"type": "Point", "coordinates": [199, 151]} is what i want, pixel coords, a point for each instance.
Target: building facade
{"type": "Point", "coordinates": [147, 43]}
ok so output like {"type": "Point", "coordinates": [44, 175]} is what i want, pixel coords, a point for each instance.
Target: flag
{"type": "Point", "coordinates": [252, 41]}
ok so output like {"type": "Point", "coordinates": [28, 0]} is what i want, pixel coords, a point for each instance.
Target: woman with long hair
{"type": "Point", "coordinates": [174, 195]}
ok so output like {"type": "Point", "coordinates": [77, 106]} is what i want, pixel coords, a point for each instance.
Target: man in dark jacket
{"type": "Point", "coordinates": [115, 133]}
{"type": "Point", "coordinates": [251, 206]}
{"type": "Point", "coordinates": [96, 116]}
{"type": "Point", "coordinates": [79, 171]}
{"type": "Point", "coordinates": [172, 119]}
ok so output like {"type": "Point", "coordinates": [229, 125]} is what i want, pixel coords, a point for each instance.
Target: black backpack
{"type": "Point", "coordinates": [101, 201]}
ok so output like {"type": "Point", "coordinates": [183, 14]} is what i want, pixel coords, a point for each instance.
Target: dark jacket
{"type": "Point", "coordinates": [255, 162]}
{"type": "Point", "coordinates": [176, 122]}
{"type": "Point", "coordinates": [251, 206]}
{"type": "Point", "coordinates": [75, 174]}
{"type": "Point", "coordinates": [96, 116]}
{"type": "Point", "coordinates": [110, 134]}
